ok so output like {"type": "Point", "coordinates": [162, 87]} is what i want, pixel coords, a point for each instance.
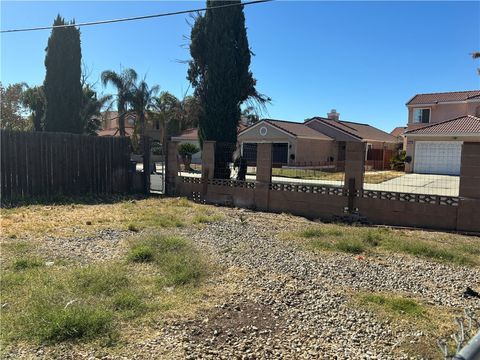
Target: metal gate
{"type": "Point", "coordinates": [157, 168]}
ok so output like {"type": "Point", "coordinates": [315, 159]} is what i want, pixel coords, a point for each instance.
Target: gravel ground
{"type": "Point", "coordinates": [287, 303]}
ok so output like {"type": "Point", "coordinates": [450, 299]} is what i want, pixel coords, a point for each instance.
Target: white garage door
{"type": "Point", "coordinates": [437, 157]}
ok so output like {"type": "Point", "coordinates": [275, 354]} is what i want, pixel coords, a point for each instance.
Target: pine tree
{"type": "Point", "coordinates": [219, 72]}
{"type": "Point", "coordinates": [62, 86]}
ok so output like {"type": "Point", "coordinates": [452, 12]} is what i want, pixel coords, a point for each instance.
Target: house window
{"type": "Point", "coordinates": [421, 116]}
{"type": "Point", "coordinates": [157, 124]}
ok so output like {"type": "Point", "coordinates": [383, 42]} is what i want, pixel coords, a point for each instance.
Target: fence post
{"type": "Point", "coordinates": [171, 171]}
{"type": "Point", "coordinates": [469, 188]}
{"type": "Point", "coordinates": [264, 175]}
{"type": "Point", "coordinates": [208, 160]}
{"type": "Point", "coordinates": [146, 164]}
{"type": "Point", "coordinates": [354, 170]}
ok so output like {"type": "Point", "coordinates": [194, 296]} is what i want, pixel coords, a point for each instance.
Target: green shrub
{"type": "Point", "coordinates": [156, 148]}
{"type": "Point", "coordinates": [187, 149]}
{"type": "Point", "coordinates": [397, 162]}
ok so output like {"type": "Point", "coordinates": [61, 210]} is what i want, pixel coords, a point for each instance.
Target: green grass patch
{"type": "Point", "coordinates": [27, 263]}
{"type": "Point", "coordinates": [129, 301]}
{"type": "Point", "coordinates": [55, 323]}
{"type": "Point", "coordinates": [319, 232]}
{"type": "Point", "coordinates": [178, 262]}
{"type": "Point", "coordinates": [395, 304]}
{"type": "Point", "coordinates": [141, 254]}
{"type": "Point", "coordinates": [356, 240]}
{"type": "Point", "coordinates": [430, 250]}
{"type": "Point", "coordinates": [100, 280]}
{"type": "Point", "coordinates": [206, 219]}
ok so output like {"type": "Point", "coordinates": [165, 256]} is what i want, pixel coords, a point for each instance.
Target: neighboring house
{"type": "Point", "coordinates": [293, 142]}
{"type": "Point", "coordinates": [191, 136]}
{"type": "Point", "coordinates": [110, 126]}
{"type": "Point", "coordinates": [438, 124]}
{"type": "Point", "coordinates": [318, 140]}
{"type": "Point", "coordinates": [398, 133]}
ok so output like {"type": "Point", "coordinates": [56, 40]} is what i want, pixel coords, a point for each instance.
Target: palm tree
{"type": "Point", "coordinates": [476, 55]}
{"type": "Point", "coordinates": [142, 100]}
{"type": "Point", "coordinates": [91, 110]}
{"type": "Point", "coordinates": [176, 115]}
{"type": "Point", "coordinates": [167, 110]}
{"type": "Point", "coordinates": [124, 82]}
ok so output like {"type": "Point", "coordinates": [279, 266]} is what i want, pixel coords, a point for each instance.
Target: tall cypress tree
{"type": "Point", "coordinates": [62, 86]}
{"type": "Point", "coordinates": [219, 72]}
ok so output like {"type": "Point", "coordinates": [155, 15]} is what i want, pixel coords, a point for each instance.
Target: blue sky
{"type": "Point", "coordinates": [366, 59]}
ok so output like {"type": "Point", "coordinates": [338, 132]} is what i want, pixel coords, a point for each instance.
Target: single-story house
{"type": "Point", "coordinates": [316, 141]}
{"type": "Point", "coordinates": [398, 133]}
{"type": "Point", "coordinates": [293, 142]}
{"type": "Point", "coordinates": [438, 124]}
{"type": "Point", "coordinates": [110, 127]}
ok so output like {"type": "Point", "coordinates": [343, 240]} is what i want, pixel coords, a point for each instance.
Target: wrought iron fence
{"type": "Point", "coordinates": [407, 174]}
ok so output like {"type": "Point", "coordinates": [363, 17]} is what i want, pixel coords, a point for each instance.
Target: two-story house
{"type": "Point", "coordinates": [153, 129]}
{"type": "Point", "coordinates": [438, 124]}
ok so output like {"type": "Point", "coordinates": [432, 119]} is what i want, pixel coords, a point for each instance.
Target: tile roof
{"type": "Point", "coordinates": [115, 132]}
{"type": "Point", "coordinates": [361, 131]}
{"type": "Point", "coordinates": [188, 134]}
{"type": "Point", "coordinates": [297, 129]}
{"type": "Point", "coordinates": [468, 124]}
{"type": "Point", "coordinates": [444, 97]}
{"type": "Point", "coordinates": [192, 133]}
{"type": "Point", "coordinates": [398, 131]}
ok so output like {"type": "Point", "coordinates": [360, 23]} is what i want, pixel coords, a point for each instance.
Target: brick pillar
{"type": "Point", "coordinates": [264, 162]}
{"type": "Point", "coordinates": [171, 172]}
{"type": "Point", "coordinates": [208, 160]}
{"type": "Point", "coordinates": [264, 175]}
{"type": "Point", "coordinates": [468, 214]}
{"type": "Point", "coordinates": [354, 163]}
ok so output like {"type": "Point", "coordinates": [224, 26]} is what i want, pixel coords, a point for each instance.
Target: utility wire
{"type": "Point", "coordinates": [133, 18]}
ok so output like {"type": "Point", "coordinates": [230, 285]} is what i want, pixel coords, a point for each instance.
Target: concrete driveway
{"type": "Point", "coordinates": [420, 184]}
{"type": "Point", "coordinates": [427, 184]}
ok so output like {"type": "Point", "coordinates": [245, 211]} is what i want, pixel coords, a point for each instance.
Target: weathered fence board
{"type": "Point", "coordinates": [49, 164]}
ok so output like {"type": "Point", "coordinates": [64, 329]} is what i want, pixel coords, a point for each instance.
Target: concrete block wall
{"type": "Point", "coordinates": [464, 217]}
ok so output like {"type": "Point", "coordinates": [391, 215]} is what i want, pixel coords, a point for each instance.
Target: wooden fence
{"type": "Point", "coordinates": [379, 159]}
{"type": "Point", "coordinates": [51, 164]}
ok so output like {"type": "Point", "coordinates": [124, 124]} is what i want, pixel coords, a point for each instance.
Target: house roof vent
{"type": "Point", "coordinates": [333, 115]}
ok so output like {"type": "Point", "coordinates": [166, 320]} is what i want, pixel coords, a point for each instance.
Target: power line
{"type": "Point", "coordinates": [133, 18]}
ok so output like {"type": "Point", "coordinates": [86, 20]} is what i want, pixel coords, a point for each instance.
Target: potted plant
{"type": "Point", "coordinates": [186, 150]}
